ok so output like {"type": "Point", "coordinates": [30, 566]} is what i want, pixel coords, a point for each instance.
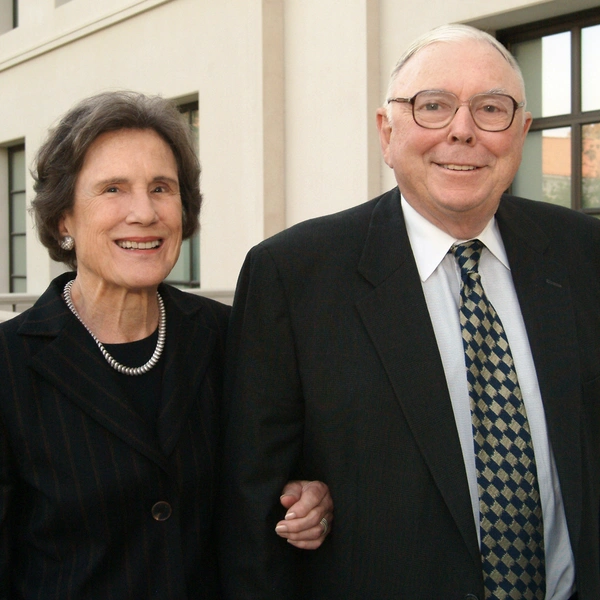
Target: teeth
{"type": "Point", "coordinates": [138, 245]}
{"type": "Point", "coordinates": [459, 167]}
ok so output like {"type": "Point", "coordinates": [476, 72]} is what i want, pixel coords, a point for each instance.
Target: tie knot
{"type": "Point", "coordinates": [467, 255]}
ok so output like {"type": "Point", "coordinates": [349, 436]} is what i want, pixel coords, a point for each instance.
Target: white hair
{"type": "Point", "coordinates": [452, 33]}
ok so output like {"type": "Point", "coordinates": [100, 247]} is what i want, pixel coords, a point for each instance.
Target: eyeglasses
{"type": "Point", "coordinates": [434, 109]}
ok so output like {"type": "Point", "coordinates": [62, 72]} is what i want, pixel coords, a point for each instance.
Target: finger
{"type": "Point", "coordinates": [308, 545]}
{"type": "Point", "coordinates": [308, 529]}
{"type": "Point", "coordinates": [300, 524]}
{"type": "Point", "coordinates": [291, 493]}
{"type": "Point", "coordinates": [314, 495]}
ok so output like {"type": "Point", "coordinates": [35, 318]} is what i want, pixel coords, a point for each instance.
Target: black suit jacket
{"type": "Point", "coordinates": [336, 375]}
{"type": "Point", "coordinates": [80, 471]}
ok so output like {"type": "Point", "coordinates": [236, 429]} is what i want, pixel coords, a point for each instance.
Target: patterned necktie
{"type": "Point", "coordinates": [512, 543]}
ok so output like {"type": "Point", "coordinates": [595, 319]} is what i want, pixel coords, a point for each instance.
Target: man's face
{"type": "Point", "coordinates": [454, 176]}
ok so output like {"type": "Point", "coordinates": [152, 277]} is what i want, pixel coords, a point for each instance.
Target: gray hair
{"type": "Point", "coordinates": [452, 33]}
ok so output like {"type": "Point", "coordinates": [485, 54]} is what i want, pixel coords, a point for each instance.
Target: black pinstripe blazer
{"type": "Point", "coordinates": [80, 471]}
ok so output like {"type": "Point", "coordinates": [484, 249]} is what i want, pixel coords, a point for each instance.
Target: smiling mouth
{"type": "Point", "coordinates": [130, 245]}
{"type": "Point", "coordinates": [451, 167]}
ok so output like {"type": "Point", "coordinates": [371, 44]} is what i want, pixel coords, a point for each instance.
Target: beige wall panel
{"type": "Point", "coordinates": [329, 115]}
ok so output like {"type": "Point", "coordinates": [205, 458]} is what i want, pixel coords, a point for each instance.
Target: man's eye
{"type": "Point", "coordinates": [434, 105]}
{"type": "Point", "coordinates": [112, 190]}
{"type": "Point", "coordinates": [494, 107]}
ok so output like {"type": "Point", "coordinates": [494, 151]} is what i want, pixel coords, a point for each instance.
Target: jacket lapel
{"type": "Point", "coordinates": [188, 354]}
{"type": "Point", "coordinates": [396, 317]}
{"type": "Point", "coordinates": [543, 289]}
{"type": "Point", "coordinates": [71, 362]}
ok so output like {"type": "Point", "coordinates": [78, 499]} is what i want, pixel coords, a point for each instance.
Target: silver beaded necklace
{"type": "Point", "coordinates": [160, 344]}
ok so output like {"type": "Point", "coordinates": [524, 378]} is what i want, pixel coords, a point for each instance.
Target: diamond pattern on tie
{"type": "Point", "coordinates": [512, 543]}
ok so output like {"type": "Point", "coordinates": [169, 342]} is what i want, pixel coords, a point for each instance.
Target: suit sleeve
{"type": "Point", "coordinates": [6, 501]}
{"type": "Point", "coordinates": [263, 429]}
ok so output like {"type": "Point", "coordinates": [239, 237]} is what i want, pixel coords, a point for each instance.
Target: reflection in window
{"type": "Point", "coordinates": [17, 213]}
{"type": "Point", "coordinates": [186, 272]}
{"type": "Point", "coordinates": [590, 166]}
{"type": "Point", "coordinates": [559, 58]}
{"type": "Point", "coordinates": [546, 66]}
{"type": "Point", "coordinates": [547, 177]}
{"type": "Point", "coordinates": [590, 59]}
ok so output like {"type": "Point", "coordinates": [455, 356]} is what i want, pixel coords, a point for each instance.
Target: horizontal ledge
{"type": "Point", "coordinates": [79, 32]}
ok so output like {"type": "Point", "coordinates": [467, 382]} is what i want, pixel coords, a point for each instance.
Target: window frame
{"type": "Point", "coordinates": [12, 277]}
{"type": "Point", "coordinates": [576, 119]}
{"type": "Point", "coordinates": [190, 245]}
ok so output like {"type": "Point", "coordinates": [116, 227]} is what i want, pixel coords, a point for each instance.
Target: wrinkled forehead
{"type": "Point", "coordinates": [462, 67]}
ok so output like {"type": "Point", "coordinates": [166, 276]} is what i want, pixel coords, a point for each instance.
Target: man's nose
{"type": "Point", "coordinates": [462, 128]}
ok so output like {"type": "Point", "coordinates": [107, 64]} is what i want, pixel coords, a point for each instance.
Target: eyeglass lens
{"type": "Point", "coordinates": [492, 112]}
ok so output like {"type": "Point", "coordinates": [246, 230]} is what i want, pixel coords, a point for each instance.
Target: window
{"type": "Point", "coordinates": [186, 272]}
{"type": "Point", "coordinates": [561, 158]}
{"type": "Point", "coordinates": [17, 213]}
{"type": "Point", "coordinates": [9, 15]}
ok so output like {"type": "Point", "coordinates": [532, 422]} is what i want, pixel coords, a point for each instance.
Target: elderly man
{"type": "Point", "coordinates": [434, 356]}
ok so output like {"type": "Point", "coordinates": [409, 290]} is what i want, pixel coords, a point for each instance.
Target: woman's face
{"type": "Point", "coordinates": [127, 216]}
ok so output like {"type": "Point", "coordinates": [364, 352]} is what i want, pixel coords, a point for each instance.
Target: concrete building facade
{"type": "Point", "coordinates": [286, 92]}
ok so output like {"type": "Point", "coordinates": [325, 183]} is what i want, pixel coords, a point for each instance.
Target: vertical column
{"type": "Point", "coordinates": [273, 116]}
{"type": "Point", "coordinates": [332, 92]}
{"type": "Point", "coordinates": [373, 100]}
{"type": "Point", "coordinates": [4, 228]}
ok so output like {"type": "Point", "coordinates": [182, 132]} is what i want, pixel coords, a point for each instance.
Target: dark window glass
{"type": "Point", "coordinates": [17, 219]}
{"type": "Point", "coordinates": [186, 272]}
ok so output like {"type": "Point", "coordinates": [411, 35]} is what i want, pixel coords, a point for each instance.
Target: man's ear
{"type": "Point", "coordinates": [527, 123]}
{"type": "Point", "coordinates": [385, 134]}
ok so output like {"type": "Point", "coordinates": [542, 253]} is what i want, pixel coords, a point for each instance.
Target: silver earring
{"type": "Point", "coordinates": [67, 243]}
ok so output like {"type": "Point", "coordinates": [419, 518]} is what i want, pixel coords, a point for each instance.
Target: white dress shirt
{"type": "Point", "coordinates": [440, 277]}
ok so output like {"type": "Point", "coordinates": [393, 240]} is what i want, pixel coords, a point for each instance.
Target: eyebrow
{"type": "Point", "coordinates": [119, 180]}
{"type": "Point", "coordinates": [490, 91]}
{"type": "Point", "coordinates": [167, 179]}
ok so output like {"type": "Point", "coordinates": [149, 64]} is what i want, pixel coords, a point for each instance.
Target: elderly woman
{"type": "Point", "coordinates": [111, 383]}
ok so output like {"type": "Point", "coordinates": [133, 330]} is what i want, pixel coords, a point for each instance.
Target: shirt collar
{"type": "Point", "coordinates": [430, 244]}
